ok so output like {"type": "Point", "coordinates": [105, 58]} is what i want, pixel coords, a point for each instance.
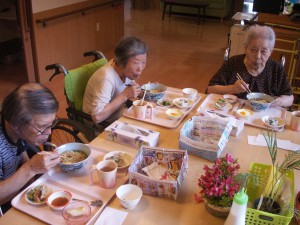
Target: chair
{"type": "Point", "coordinates": [79, 126]}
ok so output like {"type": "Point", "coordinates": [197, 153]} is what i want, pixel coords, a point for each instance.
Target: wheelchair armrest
{"type": "Point", "coordinates": [58, 69]}
{"type": "Point", "coordinates": [97, 55]}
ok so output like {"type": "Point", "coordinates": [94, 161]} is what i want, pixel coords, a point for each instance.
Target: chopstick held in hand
{"type": "Point", "coordinates": [247, 88]}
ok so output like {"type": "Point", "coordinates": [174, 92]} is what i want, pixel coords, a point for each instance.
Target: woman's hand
{"type": "Point", "coordinates": [43, 161]}
{"type": "Point", "coordinates": [240, 86]}
{"type": "Point", "coordinates": [133, 91]}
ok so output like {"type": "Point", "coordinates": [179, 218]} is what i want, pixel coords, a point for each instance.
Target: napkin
{"type": "Point", "coordinates": [111, 216]}
{"type": "Point", "coordinates": [283, 144]}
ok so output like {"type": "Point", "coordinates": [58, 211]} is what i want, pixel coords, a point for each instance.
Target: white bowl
{"type": "Point", "coordinates": [189, 93]}
{"type": "Point", "coordinates": [59, 199]}
{"type": "Point", "coordinates": [69, 167]}
{"type": "Point", "coordinates": [173, 114]}
{"type": "Point", "coordinates": [129, 195]}
{"type": "Point", "coordinates": [244, 113]}
{"type": "Point", "coordinates": [230, 98]}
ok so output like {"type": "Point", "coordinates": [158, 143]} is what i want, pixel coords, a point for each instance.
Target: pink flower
{"type": "Point", "coordinates": [218, 184]}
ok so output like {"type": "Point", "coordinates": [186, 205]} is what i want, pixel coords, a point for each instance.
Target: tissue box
{"type": "Point", "coordinates": [205, 137]}
{"type": "Point", "coordinates": [174, 161]}
{"type": "Point", "coordinates": [131, 135]}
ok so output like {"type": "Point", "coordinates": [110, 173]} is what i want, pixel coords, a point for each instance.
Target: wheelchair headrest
{"type": "Point", "coordinates": [76, 81]}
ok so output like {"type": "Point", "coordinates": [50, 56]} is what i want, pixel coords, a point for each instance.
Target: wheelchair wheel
{"type": "Point", "coordinates": [67, 131]}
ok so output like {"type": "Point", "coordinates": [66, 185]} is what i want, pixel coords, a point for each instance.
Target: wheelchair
{"type": "Point", "coordinates": [79, 126]}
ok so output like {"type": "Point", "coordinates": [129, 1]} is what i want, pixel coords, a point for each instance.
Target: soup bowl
{"type": "Point", "coordinates": [154, 91]}
{"type": "Point", "coordinates": [260, 101]}
{"type": "Point", "coordinates": [70, 162]}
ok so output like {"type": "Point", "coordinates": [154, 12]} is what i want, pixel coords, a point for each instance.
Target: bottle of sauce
{"type": "Point", "coordinates": [237, 214]}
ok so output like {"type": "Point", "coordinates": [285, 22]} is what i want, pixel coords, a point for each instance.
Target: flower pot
{"type": "Point", "coordinates": [216, 210]}
{"type": "Point", "coordinates": [267, 207]}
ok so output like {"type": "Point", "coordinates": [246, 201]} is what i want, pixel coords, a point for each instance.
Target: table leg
{"type": "Point", "coordinates": [170, 10]}
{"type": "Point", "coordinates": [199, 15]}
{"type": "Point", "coordinates": [204, 14]}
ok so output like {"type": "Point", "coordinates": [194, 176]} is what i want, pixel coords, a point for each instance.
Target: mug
{"type": "Point", "coordinates": [295, 122]}
{"type": "Point", "coordinates": [141, 110]}
{"type": "Point", "coordinates": [107, 173]}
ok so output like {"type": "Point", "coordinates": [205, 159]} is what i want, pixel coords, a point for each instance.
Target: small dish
{"type": "Point", "coordinates": [165, 103]}
{"type": "Point", "coordinates": [183, 103]}
{"type": "Point", "coordinates": [123, 159]}
{"type": "Point", "coordinates": [59, 199]}
{"type": "Point", "coordinates": [273, 122]}
{"type": "Point", "coordinates": [173, 114]}
{"type": "Point", "coordinates": [230, 98]}
{"type": "Point", "coordinates": [226, 107]}
{"type": "Point", "coordinates": [244, 113]}
{"type": "Point", "coordinates": [77, 212]}
{"type": "Point", "coordinates": [38, 195]}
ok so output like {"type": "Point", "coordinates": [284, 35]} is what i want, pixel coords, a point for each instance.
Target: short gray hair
{"type": "Point", "coordinates": [129, 47]}
{"type": "Point", "coordinates": [257, 31]}
{"type": "Point", "coordinates": [27, 100]}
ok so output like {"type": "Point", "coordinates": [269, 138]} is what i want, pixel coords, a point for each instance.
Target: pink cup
{"type": "Point", "coordinates": [107, 173]}
{"type": "Point", "coordinates": [295, 122]}
{"type": "Point", "coordinates": [140, 111]}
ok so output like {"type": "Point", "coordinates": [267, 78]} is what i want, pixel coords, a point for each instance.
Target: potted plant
{"type": "Point", "coordinates": [218, 185]}
{"type": "Point", "coordinates": [278, 188]}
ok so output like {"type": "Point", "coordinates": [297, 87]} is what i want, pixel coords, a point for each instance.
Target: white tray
{"type": "Point", "coordinates": [77, 183]}
{"type": "Point", "coordinates": [159, 116]}
{"type": "Point", "coordinates": [254, 120]}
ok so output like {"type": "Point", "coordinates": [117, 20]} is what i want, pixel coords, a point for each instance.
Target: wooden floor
{"type": "Point", "coordinates": [181, 53]}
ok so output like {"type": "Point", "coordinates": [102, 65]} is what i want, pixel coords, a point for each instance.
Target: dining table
{"type": "Point", "coordinates": [185, 210]}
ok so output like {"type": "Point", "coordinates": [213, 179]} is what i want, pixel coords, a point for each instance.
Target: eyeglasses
{"type": "Point", "coordinates": [40, 132]}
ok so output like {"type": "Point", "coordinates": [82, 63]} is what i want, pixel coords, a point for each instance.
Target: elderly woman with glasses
{"type": "Point", "coordinates": [27, 116]}
{"type": "Point", "coordinates": [258, 72]}
{"type": "Point", "coordinates": [113, 84]}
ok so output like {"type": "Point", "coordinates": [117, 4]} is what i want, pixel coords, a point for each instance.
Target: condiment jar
{"type": "Point", "coordinates": [237, 214]}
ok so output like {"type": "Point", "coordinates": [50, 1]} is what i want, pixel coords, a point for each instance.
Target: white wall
{"type": "Point", "coordinates": [42, 5]}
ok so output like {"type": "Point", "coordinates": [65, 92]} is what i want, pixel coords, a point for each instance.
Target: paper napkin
{"type": "Point", "coordinates": [111, 216]}
{"type": "Point", "coordinates": [283, 144]}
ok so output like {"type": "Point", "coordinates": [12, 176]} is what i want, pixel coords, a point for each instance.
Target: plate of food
{"type": "Point", "coordinates": [221, 104]}
{"type": "Point", "coordinates": [183, 103]}
{"type": "Point", "coordinates": [165, 103]}
{"type": "Point", "coordinates": [38, 195]}
{"type": "Point", "coordinates": [273, 122]}
{"type": "Point", "coordinates": [123, 159]}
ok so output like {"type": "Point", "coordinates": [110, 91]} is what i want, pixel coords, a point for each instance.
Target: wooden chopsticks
{"type": "Point", "coordinates": [247, 89]}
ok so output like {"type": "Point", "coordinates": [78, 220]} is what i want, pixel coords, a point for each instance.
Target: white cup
{"type": "Point", "coordinates": [295, 122]}
{"type": "Point", "coordinates": [141, 110]}
{"type": "Point", "coordinates": [190, 93]}
{"type": "Point", "coordinates": [107, 173]}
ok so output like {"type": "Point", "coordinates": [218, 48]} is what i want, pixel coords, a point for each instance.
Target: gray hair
{"type": "Point", "coordinates": [129, 47]}
{"type": "Point", "coordinates": [28, 100]}
{"type": "Point", "coordinates": [257, 31]}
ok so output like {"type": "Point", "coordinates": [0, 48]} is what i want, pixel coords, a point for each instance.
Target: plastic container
{"type": "Point", "coordinates": [253, 216]}
{"type": "Point", "coordinates": [237, 214]}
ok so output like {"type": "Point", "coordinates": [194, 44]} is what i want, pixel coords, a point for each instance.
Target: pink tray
{"type": "Point", "coordinates": [159, 116]}
{"type": "Point", "coordinates": [255, 120]}
{"type": "Point", "coordinates": [77, 183]}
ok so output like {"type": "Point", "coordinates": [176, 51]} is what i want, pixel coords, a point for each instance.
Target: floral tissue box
{"type": "Point", "coordinates": [130, 135]}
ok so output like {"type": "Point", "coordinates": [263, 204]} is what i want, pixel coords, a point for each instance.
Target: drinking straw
{"type": "Point", "coordinates": [144, 93]}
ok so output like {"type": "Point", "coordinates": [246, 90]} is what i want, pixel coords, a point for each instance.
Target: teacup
{"type": "Point", "coordinates": [295, 122]}
{"type": "Point", "coordinates": [107, 173]}
{"type": "Point", "coordinates": [140, 110]}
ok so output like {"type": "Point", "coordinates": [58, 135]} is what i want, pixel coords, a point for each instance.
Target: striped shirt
{"type": "Point", "coordinates": [9, 161]}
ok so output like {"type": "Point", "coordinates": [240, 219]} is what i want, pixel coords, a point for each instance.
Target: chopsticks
{"type": "Point", "coordinates": [247, 89]}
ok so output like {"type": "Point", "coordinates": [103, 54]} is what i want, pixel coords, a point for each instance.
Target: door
{"type": "Point", "coordinates": [24, 14]}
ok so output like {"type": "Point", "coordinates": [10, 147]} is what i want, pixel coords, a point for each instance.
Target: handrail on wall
{"type": "Point", "coordinates": [82, 11]}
